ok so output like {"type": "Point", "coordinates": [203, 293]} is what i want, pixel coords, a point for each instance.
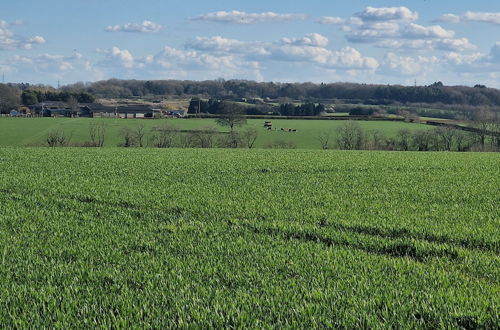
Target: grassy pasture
{"type": "Point", "coordinates": [248, 238]}
{"type": "Point", "coordinates": [33, 131]}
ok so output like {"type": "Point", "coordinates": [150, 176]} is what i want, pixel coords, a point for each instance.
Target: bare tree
{"type": "Point", "coordinates": [128, 136]}
{"type": "Point", "coordinates": [324, 138]}
{"type": "Point", "coordinates": [376, 140]}
{"type": "Point", "coordinates": [421, 140]}
{"type": "Point", "coordinates": [57, 138]}
{"type": "Point", "coordinates": [139, 133]}
{"type": "Point", "coordinates": [201, 138]}
{"type": "Point", "coordinates": [164, 136]}
{"type": "Point", "coordinates": [249, 136]}
{"type": "Point", "coordinates": [350, 136]}
{"type": "Point", "coordinates": [482, 120]}
{"type": "Point", "coordinates": [446, 137]}
{"type": "Point", "coordinates": [403, 141]}
{"type": "Point", "coordinates": [232, 116]}
{"type": "Point", "coordinates": [231, 140]}
{"type": "Point", "coordinates": [408, 116]}
{"type": "Point", "coordinates": [74, 106]}
{"type": "Point", "coordinates": [462, 140]}
{"type": "Point", "coordinates": [495, 127]}
{"type": "Point", "coordinates": [97, 132]}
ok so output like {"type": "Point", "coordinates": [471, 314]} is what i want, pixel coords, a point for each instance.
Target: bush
{"type": "Point", "coordinates": [57, 139]}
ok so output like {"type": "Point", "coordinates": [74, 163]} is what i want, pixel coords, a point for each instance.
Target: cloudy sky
{"type": "Point", "coordinates": [378, 41]}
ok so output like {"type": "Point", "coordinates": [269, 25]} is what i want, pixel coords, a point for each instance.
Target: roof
{"type": "Point", "coordinates": [97, 107]}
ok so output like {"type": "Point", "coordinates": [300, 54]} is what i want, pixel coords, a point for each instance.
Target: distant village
{"type": "Point", "coordinates": [94, 110]}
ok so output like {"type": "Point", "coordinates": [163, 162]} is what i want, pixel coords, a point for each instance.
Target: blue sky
{"type": "Point", "coordinates": [395, 42]}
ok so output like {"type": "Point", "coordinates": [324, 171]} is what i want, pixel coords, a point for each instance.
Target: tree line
{"type": "Point", "coordinates": [478, 95]}
{"type": "Point", "coordinates": [351, 136]}
{"type": "Point", "coordinates": [435, 100]}
{"type": "Point", "coordinates": [161, 136]}
{"type": "Point", "coordinates": [217, 107]}
{"type": "Point", "coordinates": [348, 136]}
{"type": "Point", "coordinates": [34, 96]}
{"type": "Point", "coordinates": [13, 96]}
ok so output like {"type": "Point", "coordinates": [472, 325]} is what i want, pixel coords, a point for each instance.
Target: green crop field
{"type": "Point", "coordinates": [33, 131]}
{"type": "Point", "coordinates": [200, 238]}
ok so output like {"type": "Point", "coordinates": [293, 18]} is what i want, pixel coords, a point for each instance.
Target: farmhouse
{"type": "Point", "coordinates": [97, 110]}
{"type": "Point", "coordinates": [123, 111]}
{"type": "Point", "coordinates": [58, 109]}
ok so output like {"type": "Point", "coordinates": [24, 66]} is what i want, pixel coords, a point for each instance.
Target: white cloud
{"type": "Point", "coordinates": [309, 49]}
{"type": "Point", "coordinates": [471, 16]}
{"type": "Point", "coordinates": [170, 63]}
{"type": "Point", "coordinates": [290, 52]}
{"type": "Point", "coordinates": [120, 58]}
{"type": "Point", "coordinates": [482, 17]}
{"type": "Point", "coordinates": [240, 17]}
{"type": "Point", "coordinates": [124, 57]}
{"type": "Point", "coordinates": [311, 39]}
{"type": "Point", "coordinates": [52, 67]}
{"type": "Point", "coordinates": [410, 36]}
{"type": "Point", "coordinates": [495, 52]}
{"type": "Point", "coordinates": [372, 33]}
{"type": "Point", "coordinates": [387, 14]}
{"type": "Point", "coordinates": [144, 27]}
{"type": "Point", "coordinates": [349, 57]}
{"type": "Point", "coordinates": [221, 44]}
{"type": "Point", "coordinates": [368, 36]}
{"type": "Point", "coordinates": [449, 18]}
{"type": "Point", "coordinates": [331, 20]}
{"type": "Point", "coordinates": [352, 21]}
{"type": "Point", "coordinates": [9, 40]}
{"type": "Point", "coordinates": [346, 58]}
{"type": "Point", "coordinates": [413, 30]}
{"type": "Point", "coordinates": [462, 44]}
{"type": "Point", "coordinates": [380, 26]}
{"type": "Point", "coordinates": [170, 57]}
{"type": "Point", "coordinates": [174, 62]}
{"type": "Point", "coordinates": [50, 62]}
{"type": "Point", "coordinates": [407, 66]}
{"type": "Point", "coordinates": [394, 28]}
{"type": "Point", "coordinates": [462, 59]}
{"type": "Point", "coordinates": [37, 40]}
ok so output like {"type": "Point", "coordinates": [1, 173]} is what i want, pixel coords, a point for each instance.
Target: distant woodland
{"type": "Point", "coordinates": [446, 101]}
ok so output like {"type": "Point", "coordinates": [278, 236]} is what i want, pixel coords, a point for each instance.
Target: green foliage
{"type": "Point", "coordinates": [9, 98]}
{"type": "Point", "coordinates": [169, 238]}
{"type": "Point", "coordinates": [32, 96]}
{"type": "Point", "coordinates": [231, 116]}
{"type": "Point", "coordinates": [306, 109]}
{"type": "Point", "coordinates": [29, 97]}
{"type": "Point", "coordinates": [355, 93]}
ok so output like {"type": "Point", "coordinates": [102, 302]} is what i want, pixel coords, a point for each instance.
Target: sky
{"type": "Point", "coordinates": [380, 41]}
